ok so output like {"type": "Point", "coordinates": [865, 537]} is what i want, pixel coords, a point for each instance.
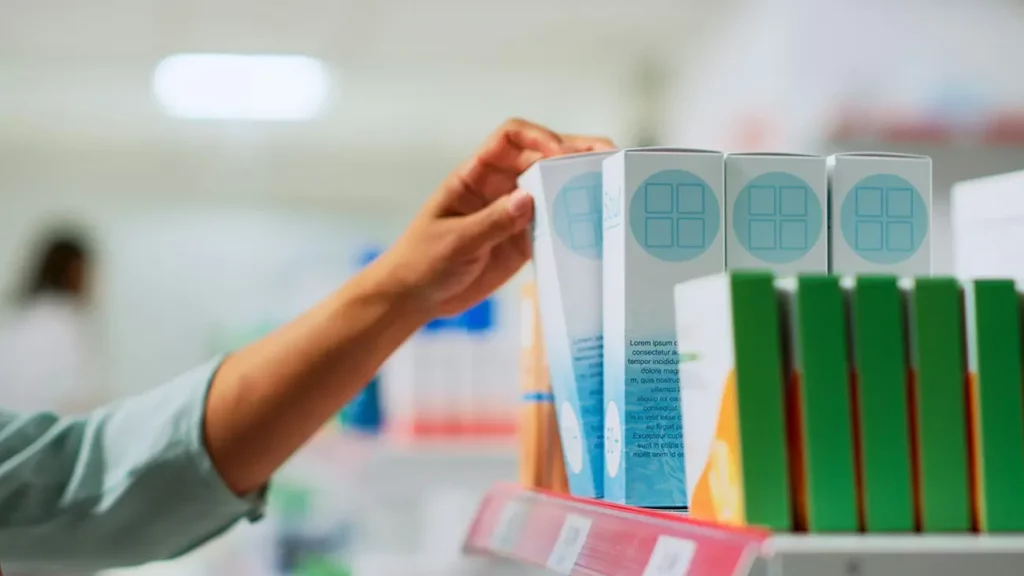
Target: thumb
{"type": "Point", "coordinates": [499, 220]}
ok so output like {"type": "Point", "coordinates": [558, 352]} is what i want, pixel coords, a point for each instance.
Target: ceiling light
{"type": "Point", "coordinates": [240, 87]}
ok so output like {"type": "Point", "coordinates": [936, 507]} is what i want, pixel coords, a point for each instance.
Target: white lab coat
{"type": "Point", "coordinates": [47, 360]}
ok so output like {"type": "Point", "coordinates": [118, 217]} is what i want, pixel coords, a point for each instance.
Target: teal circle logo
{"type": "Point", "coordinates": [577, 215]}
{"type": "Point", "coordinates": [777, 217]}
{"type": "Point", "coordinates": [674, 215]}
{"type": "Point", "coordinates": [884, 219]}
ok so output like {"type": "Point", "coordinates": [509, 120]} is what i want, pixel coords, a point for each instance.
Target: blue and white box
{"type": "Point", "coordinates": [567, 245]}
{"type": "Point", "coordinates": [776, 207]}
{"type": "Point", "coordinates": [881, 206]}
{"type": "Point", "coordinates": [663, 224]}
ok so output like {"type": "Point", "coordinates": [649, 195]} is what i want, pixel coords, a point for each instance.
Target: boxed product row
{"type": "Point", "coordinates": [613, 233]}
{"type": "Point", "coordinates": [863, 403]}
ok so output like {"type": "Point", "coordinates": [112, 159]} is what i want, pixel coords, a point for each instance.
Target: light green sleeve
{"type": "Point", "coordinates": [127, 484]}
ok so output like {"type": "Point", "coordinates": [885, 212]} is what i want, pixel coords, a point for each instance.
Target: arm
{"type": "Point", "coordinates": [159, 474]}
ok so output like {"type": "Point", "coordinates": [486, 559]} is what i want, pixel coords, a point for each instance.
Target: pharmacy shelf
{"type": "Point", "coordinates": [575, 536]}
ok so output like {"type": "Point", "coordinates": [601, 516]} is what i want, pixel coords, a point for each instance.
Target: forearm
{"type": "Point", "coordinates": [269, 398]}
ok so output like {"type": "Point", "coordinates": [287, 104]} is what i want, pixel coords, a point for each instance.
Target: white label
{"type": "Point", "coordinates": [670, 557]}
{"type": "Point", "coordinates": [572, 439]}
{"type": "Point", "coordinates": [612, 439]}
{"type": "Point", "coordinates": [509, 527]}
{"type": "Point", "coordinates": [570, 543]}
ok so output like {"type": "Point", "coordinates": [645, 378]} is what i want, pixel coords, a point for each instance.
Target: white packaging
{"type": "Point", "coordinates": [776, 212]}
{"type": "Point", "coordinates": [988, 227]}
{"type": "Point", "coordinates": [664, 215]}
{"type": "Point", "coordinates": [567, 257]}
{"type": "Point", "coordinates": [880, 213]}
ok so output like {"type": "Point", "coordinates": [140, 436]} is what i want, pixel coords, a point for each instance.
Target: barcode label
{"type": "Point", "coordinates": [570, 543]}
{"type": "Point", "coordinates": [509, 527]}
{"type": "Point", "coordinates": [670, 557]}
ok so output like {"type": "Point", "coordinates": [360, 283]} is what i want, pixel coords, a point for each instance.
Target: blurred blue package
{"type": "Point", "coordinates": [363, 414]}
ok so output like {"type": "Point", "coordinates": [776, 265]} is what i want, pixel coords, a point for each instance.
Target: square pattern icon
{"type": "Point", "coordinates": [793, 235]}
{"type": "Point", "coordinates": [580, 201]}
{"type": "Point", "coordinates": [690, 232]}
{"type": "Point", "coordinates": [658, 232]}
{"type": "Point", "coordinates": [868, 202]}
{"type": "Point", "coordinates": [899, 203]}
{"type": "Point", "coordinates": [690, 198]}
{"type": "Point", "coordinates": [763, 235]}
{"type": "Point", "coordinates": [583, 234]}
{"type": "Point", "coordinates": [658, 198]}
{"type": "Point", "coordinates": [899, 236]}
{"type": "Point", "coordinates": [793, 201]}
{"type": "Point", "coordinates": [869, 235]}
{"type": "Point", "coordinates": [762, 201]}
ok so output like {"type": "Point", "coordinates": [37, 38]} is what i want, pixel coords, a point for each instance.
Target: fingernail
{"type": "Point", "coordinates": [519, 203]}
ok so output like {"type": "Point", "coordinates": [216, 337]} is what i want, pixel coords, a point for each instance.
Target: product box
{"type": "Point", "coordinates": [567, 260]}
{"type": "Point", "coordinates": [987, 235]}
{"type": "Point", "coordinates": [880, 209]}
{"type": "Point", "coordinates": [997, 407]}
{"type": "Point", "coordinates": [938, 403]}
{"type": "Point", "coordinates": [663, 220]}
{"type": "Point", "coordinates": [776, 207]}
{"type": "Point", "coordinates": [733, 400]}
{"type": "Point", "coordinates": [540, 454]}
{"type": "Point", "coordinates": [882, 422]}
{"type": "Point", "coordinates": [821, 423]}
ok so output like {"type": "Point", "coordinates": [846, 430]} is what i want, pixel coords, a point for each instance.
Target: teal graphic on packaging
{"type": "Point", "coordinates": [644, 429]}
{"type": "Point", "coordinates": [577, 215]}
{"type": "Point", "coordinates": [777, 217]}
{"type": "Point", "coordinates": [884, 219]}
{"type": "Point", "coordinates": [579, 415]}
{"type": "Point", "coordinates": [674, 215]}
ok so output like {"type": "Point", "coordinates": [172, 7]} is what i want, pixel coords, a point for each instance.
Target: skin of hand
{"type": "Point", "coordinates": [467, 241]}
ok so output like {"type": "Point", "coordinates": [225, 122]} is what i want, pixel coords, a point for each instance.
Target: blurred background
{"type": "Point", "coordinates": [227, 163]}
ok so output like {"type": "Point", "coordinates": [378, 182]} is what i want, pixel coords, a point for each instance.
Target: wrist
{"type": "Point", "coordinates": [399, 301]}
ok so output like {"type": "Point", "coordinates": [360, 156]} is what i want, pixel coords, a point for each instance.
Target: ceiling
{"type": "Point", "coordinates": [405, 72]}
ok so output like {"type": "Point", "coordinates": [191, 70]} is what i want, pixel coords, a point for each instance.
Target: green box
{"type": "Point", "coordinates": [938, 403]}
{"type": "Point", "coordinates": [997, 406]}
{"type": "Point", "coordinates": [821, 424]}
{"type": "Point", "coordinates": [882, 421]}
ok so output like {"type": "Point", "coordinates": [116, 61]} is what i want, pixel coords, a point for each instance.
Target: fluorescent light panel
{"type": "Point", "coordinates": [240, 86]}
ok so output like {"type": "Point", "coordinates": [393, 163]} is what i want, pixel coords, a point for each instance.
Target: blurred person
{"type": "Point", "coordinates": [154, 476]}
{"type": "Point", "coordinates": [45, 350]}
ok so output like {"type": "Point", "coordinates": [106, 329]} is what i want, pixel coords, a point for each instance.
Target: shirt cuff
{"type": "Point", "coordinates": [251, 505]}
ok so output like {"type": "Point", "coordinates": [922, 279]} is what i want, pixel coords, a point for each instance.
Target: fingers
{"type": "Point", "coordinates": [587, 143]}
{"type": "Point", "coordinates": [497, 222]}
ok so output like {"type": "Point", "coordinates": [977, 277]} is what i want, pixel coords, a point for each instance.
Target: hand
{"type": "Point", "coordinates": [471, 236]}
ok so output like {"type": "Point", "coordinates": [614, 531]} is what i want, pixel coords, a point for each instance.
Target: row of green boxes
{"type": "Point", "coordinates": [826, 404]}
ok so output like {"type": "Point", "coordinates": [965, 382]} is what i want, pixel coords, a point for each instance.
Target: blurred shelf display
{"type": "Point", "coordinates": [568, 535]}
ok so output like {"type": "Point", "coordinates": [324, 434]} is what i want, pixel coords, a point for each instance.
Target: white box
{"type": "Point", "coordinates": [880, 213]}
{"type": "Point", "coordinates": [664, 215]}
{"type": "Point", "coordinates": [567, 258]}
{"type": "Point", "coordinates": [988, 227]}
{"type": "Point", "coordinates": [776, 206]}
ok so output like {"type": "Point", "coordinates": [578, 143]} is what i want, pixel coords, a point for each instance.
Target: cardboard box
{"type": "Point", "coordinates": [988, 226]}
{"type": "Point", "coordinates": [997, 405]}
{"type": "Point", "coordinates": [776, 208]}
{"type": "Point", "coordinates": [882, 420]}
{"type": "Point", "coordinates": [821, 422]}
{"type": "Point", "coordinates": [880, 213]}
{"type": "Point", "coordinates": [733, 400]}
{"type": "Point", "coordinates": [662, 225]}
{"type": "Point", "coordinates": [938, 403]}
{"type": "Point", "coordinates": [567, 258]}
